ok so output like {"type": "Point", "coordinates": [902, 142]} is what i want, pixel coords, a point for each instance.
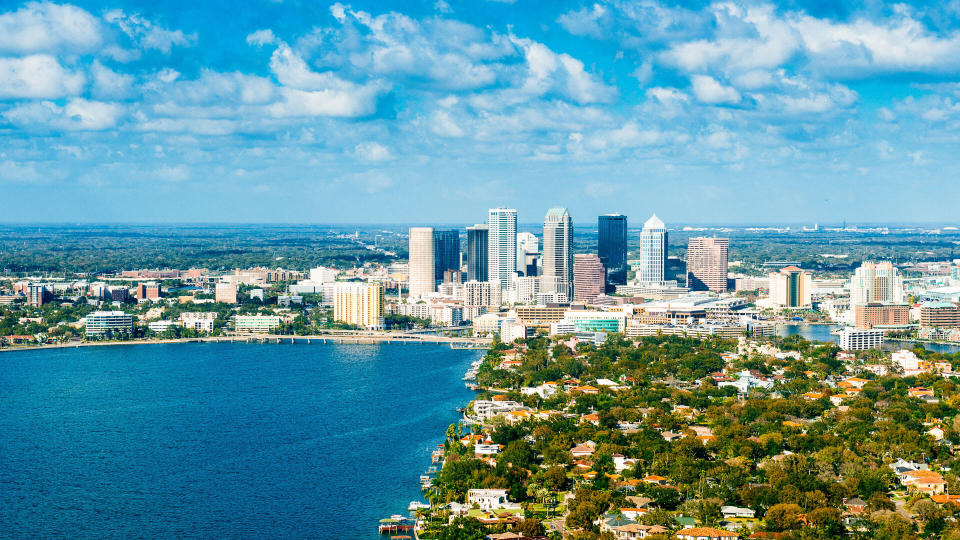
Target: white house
{"type": "Point", "coordinates": [488, 499]}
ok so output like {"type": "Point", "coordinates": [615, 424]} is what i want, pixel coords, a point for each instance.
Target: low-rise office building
{"type": "Point", "coordinates": [101, 323]}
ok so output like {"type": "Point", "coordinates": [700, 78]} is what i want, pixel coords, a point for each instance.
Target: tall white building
{"type": "Point", "coordinates": [653, 252]}
{"type": "Point", "coordinates": [502, 244]}
{"type": "Point", "coordinates": [876, 282]}
{"type": "Point", "coordinates": [527, 243]}
{"type": "Point", "coordinates": [422, 261]}
{"type": "Point", "coordinates": [557, 252]}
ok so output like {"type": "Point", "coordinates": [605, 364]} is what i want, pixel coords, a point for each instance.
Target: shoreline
{"type": "Point", "coordinates": [464, 343]}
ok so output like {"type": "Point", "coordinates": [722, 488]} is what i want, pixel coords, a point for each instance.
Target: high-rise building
{"type": "Point", "coordinates": [707, 264]}
{"type": "Point", "coordinates": [653, 251]}
{"type": "Point", "coordinates": [38, 293]}
{"type": "Point", "coordinates": [502, 244]}
{"type": "Point", "coordinates": [588, 277]}
{"type": "Point", "coordinates": [423, 277]}
{"type": "Point", "coordinates": [612, 247]}
{"type": "Point", "coordinates": [477, 251]}
{"type": "Point", "coordinates": [360, 304]}
{"type": "Point", "coordinates": [790, 288]}
{"type": "Point", "coordinates": [527, 245]}
{"type": "Point", "coordinates": [876, 282]}
{"type": "Point", "coordinates": [446, 252]}
{"type": "Point", "coordinates": [557, 252]}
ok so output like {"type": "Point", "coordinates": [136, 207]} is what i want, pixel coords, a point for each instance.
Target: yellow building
{"type": "Point", "coordinates": [360, 304]}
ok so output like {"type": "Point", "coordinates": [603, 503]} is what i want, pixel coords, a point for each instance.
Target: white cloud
{"type": "Point", "coordinates": [548, 72]}
{"type": "Point", "coordinates": [75, 115]}
{"type": "Point", "coordinates": [108, 83]}
{"type": "Point", "coordinates": [585, 21]}
{"type": "Point", "coordinates": [262, 37]}
{"type": "Point", "coordinates": [309, 93]}
{"type": "Point", "coordinates": [146, 34]}
{"type": "Point", "coordinates": [48, 27]}
{"type": "Point", "coordinates": [372, 151]}
{"type": "Point", "coordinates": [443, 124]}
{"type": "Point", "coordinates": [37, 76]}
{"type": "Point", "coordinates": [708, 90]}
{"type": "Point", "coordinates": [442, 6]}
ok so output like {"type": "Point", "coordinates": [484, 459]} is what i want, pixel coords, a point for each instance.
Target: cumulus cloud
{"type": "Point", "coordinates": [75, 115]}
{"type": "Point", "coordinates": [373, 151]}
{"type": "Point", "coordinates": [38, 76]}
{"type": "Point", "coordinates": [146, 34]}
{"type": "Point", "coordinates": [708, 90]}
{"type": "Point", "coordinates": [47, 27]}
{"type": "Point", "coordinates": [550, 72]}
{"type": "Point", "coordinates": [110, 84]}
{"type": "Point", "coordinates": [585, 21]}
{"type": "Point", "coordinates": [262, 37]}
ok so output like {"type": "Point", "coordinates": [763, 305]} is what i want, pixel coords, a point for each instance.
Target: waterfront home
{"type": "Point", "coordinates": [487, 449]}
{"type": "Point", "coordinates": [490, 499]}
{"type": "Point", "coordinates": [486, 409]}
{"type": "Point", "coordinates": [514, 417]}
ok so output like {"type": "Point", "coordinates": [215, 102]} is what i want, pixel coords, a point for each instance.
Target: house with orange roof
{"type": "Point", "coordinates": [813, 396]}
{"type": "Point", "coordinates": [590, 418]}
{"type": "Point", "coordinates": [586, 389]}
{"type": "Point", "coordinates": [945, 499]}
{"type": "Point", "coordinates": [655, 479]}
{"type": "Point", "coordinates": [472, 438]}
{"type": "Point", "coordinates": [929, 482]}
{"type": "Point", "coordinates": [510, 365]}
{"type": "Point", "coordinates": [920, 392]}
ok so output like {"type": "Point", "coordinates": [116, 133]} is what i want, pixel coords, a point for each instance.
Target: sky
{"type": "Point", "coordinates": [430, 111]}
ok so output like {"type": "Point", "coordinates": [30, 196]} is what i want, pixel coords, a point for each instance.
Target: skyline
{"type": "Point", "coordinates": [723, 113]}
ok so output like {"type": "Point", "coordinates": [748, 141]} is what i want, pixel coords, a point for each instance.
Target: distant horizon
{"type": "Point", "coordinates": [527, 224]}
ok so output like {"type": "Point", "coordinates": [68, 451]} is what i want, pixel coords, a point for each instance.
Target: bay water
{"type": "Point", "coordinates": [220, 440]}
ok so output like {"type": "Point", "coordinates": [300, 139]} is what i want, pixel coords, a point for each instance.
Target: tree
{"type": "Point", "coordinates": [783, 517]}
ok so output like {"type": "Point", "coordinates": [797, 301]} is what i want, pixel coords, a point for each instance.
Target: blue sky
{"type": "Point", "coordinates": [433, 111]}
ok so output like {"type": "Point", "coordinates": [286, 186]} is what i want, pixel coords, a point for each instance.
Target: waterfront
{"type": "Point", "coordinates": [220, 440]}
{"type": "Point", "coordinates": [824, 332]}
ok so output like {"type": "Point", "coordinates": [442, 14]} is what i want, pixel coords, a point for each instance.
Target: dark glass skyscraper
{"type": "Point", "coordinates": [477, 244]}
{"type": "Point", "coordinates": [612, 247]}
{"type": "Point", "coordinates": [446, 252]}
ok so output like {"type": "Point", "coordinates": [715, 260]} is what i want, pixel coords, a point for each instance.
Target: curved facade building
{"type": "Point", "coordinates": [422, 262]}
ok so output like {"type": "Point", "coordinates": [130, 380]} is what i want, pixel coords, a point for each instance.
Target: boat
{"type": "Point", "coordinates": [417, 505]}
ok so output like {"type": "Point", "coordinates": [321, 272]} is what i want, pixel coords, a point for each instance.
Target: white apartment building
{"type": "Point", "coordinates": [856, 339]}
{"type": "Point", "coordinates": [501, 245]}
{"type": "Point", "coordinates": [99, 323]}
{"type": "Point", "coordinates": [202, 320]}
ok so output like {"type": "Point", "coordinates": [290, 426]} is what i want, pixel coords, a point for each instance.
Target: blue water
{"type": "Point", "coordinates": [822, 332]}
{"type": "Point", "coordinates": [219, 440]}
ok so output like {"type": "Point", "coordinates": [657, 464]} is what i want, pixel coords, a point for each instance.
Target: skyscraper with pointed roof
{"type": "Point", "coordinates": [557, 252]}
{"type": "Point", "coordinates": [653, 251]}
